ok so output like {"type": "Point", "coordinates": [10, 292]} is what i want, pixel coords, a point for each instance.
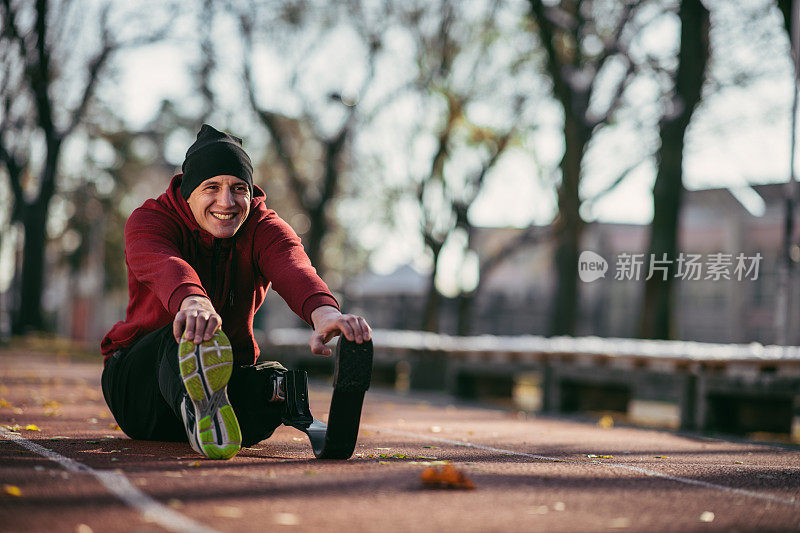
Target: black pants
{"type": "Point", "coordinates": [143, 388]}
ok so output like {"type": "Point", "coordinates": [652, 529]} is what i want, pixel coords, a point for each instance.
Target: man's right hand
{"type": "Point", "coordinates": [197, 320]}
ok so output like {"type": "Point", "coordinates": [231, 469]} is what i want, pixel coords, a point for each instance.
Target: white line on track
{"type": "Point", "coordinates": [116, 483]}
{"type": "Point", "coordinates": [645, 471]}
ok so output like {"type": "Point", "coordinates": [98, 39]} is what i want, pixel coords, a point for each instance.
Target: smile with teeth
{"type": "Point", "coordinates": [223, 216]}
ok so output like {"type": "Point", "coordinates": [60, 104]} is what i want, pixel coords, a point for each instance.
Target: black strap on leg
{"type": "Point", "coordinates": [351, 379]}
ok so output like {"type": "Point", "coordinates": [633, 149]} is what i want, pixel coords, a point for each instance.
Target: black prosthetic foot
{"type": "Point", "coordinates": [351, 379]}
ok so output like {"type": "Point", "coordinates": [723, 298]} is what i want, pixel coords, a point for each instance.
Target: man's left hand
{"type": "Point", "coordinates": [329, 322]}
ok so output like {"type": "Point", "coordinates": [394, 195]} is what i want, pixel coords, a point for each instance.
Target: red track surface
{"type": "Point", "coordinates": [531, 473]}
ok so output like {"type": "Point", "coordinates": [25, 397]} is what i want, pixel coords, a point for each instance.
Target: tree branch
{"type": "Point", "coordinates": [624, 174]}
{"type": "Point", "coordinates": [270, 121]}
{"type": "Point", "coordinates": [94, 68]}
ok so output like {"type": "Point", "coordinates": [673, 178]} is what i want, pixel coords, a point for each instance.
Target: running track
{"type": "Point", "coordinates": [79, 473]}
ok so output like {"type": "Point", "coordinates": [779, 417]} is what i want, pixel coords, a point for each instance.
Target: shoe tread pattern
{"type": "Point", "coordinates": [206, 370]}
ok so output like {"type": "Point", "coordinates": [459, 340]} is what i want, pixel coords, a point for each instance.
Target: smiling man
{"type": "Point", "coordinates": [200, 259]}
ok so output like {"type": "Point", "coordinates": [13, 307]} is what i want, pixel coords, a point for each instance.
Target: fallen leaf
{"type": "Point", "coordinates": [115, 427]}
{"type": "Point", "coordinates": [707, 516]}
{"type": "Point", "coordinates": [431, 447]}
{"type": "Point", "coordinates": [228, 512]}
{"type": "Point", "coordinates": [15, 427]}
{"type": "Point", "coordinates": [12, 490]}
{"type": "Point", "coordinates": [593, 456]}
{"type": "Point", "coordinates": [738, 463]}
{"type": "Point", "coordinates": [606, 422]}
{"type": "Point", "coordinates": [32, 427]}
{"type": "Point", "coordinates": [4, 403]}
{"type": "Point", "coordinates": [287, 519]}
{"type": "Point", "coordinates": [446, 477]}
{"type": "Point", "coordinates": [620, 523]}
{"type": "Point", "coordinates": [196, 463]}
{"type": "Point", "coordinates": [660, 457]}
{"type": "Point", "coordinates": [436, 429]}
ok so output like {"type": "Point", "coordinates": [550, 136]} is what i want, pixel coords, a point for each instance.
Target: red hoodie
{"type": "Point", "coordinates": [170, 257]}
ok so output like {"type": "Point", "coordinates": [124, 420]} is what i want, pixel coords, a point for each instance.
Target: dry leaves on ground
{"type": "Point", "coordinates": [445, 477]}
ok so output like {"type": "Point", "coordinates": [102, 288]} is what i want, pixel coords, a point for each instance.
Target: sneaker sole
{"type": "Point", "coordinates": [205, 370]}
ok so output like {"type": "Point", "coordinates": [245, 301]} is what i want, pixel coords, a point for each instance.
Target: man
{"type": "Point", "coordinates": [202, 257]}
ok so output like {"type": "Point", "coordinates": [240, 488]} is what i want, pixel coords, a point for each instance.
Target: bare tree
{"type": "Point", "coordinates": [580, 38]}
{"type": "Point", "coordinates": [668, 189]}
{"type": "Point", "coordinates": [37, 117]}
{"type": "Point", "coordinates": [455, 55]}
{"type": "Point", "coordinates": [311, 155]}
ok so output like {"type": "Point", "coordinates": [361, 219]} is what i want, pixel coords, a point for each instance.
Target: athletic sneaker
{"type": "Point", "coordinates": [210, 422]}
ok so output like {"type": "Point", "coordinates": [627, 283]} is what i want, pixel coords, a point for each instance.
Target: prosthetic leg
{"type": "Point", "coordinates": [351, 379]}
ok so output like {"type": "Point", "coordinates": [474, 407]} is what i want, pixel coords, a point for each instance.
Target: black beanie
{"type": "Point", "coordinates": [214, 153]}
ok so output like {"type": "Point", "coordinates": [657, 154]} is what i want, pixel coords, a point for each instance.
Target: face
{"type": "Point", "coordinates": [220, 205]}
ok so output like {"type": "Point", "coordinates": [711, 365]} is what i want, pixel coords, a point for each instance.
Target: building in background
{"type": "Point", "coordinates": [516, 295]}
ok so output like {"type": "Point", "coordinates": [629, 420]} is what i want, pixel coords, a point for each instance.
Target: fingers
{"type": "Point", "coordinates": [191, 320]}
{"type": "Point", "coordinates": [178, 326]}
{"type": "Point", "coordinates": [345, 324]}
{"type": "Point", "coordinates": [365, 331]}
{"type": "Point", "coordinates": [355, 328]}
{"type": "Point", "coordinates": [318, 345]}
{"type": "Point", "coordinates": [197, 325]}
{"type": "Point", "coordinates": [212, 325]}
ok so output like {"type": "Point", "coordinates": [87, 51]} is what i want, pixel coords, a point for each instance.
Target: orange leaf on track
{"type": "Point", "coordinates": [446, 477]}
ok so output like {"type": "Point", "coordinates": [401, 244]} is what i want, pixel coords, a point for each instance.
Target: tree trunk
{"type": "Point", "coordinates": [667, 195]}
{"type": "Point", "coordinates": [313, 239]}
{"type": "Point", "coordinates": [433, 299]}
{"type": "Point", "coordinates": [565, 300]}
{"type": "Point", "coordinates": [29, 317]}
{"type": "Point", "coordinates": [466, 305]}
{"type": "Point", "coordinates": [656, 316]}
{"type": "Point", "coordinates": [34, 221]}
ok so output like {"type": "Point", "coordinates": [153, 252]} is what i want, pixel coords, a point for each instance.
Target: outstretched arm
{"type": "Point", "coordinates": [329, 322]}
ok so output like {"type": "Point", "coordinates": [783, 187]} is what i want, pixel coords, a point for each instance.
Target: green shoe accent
{"type": "Point", "coordinates": [214, 357]}
{"type": "Point", "coordinates": [185, 348]}
{"type": "Point", "coordinates": [231, 423]}
{"type": "Point", "coordinates": [195, 388]}
{"type": "Point", "coordinates": [205, 423]}
{"type": "Point", "coordinates": [218, 377]}
{"type": "Point", "coordinates": [189, 366]}
{"type": "Point", "coordinates": [227, 452]}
